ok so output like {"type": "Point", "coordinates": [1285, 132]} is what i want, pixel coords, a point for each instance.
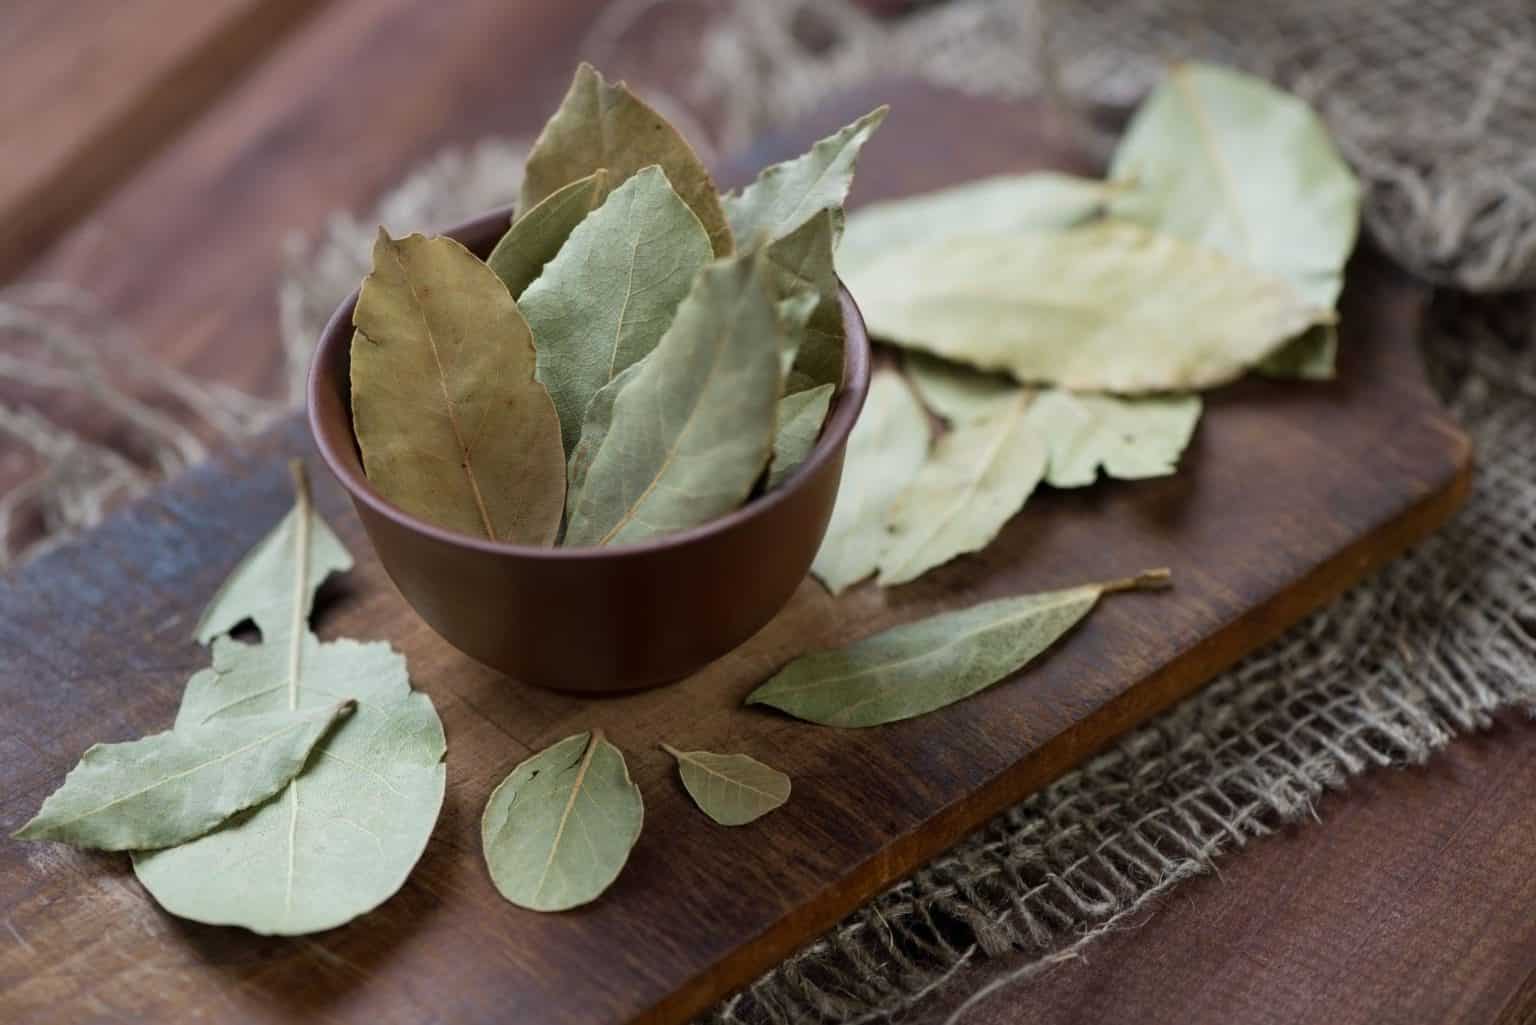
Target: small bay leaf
{"type": "Point", "coordinates": [1109, 306]}
{"type": "Point", "coordinates": [913, 669]}
{"type": "Point", "coordinates": [340, 838]}
{"type": "Point", "coordinates": [558, 830]}
{"type": "Point", "coordinates": [537, 235]}
{"type": "Point", "coordinates": [604, 301]}
{"type": "Point", "coordinates": [451, 423]}
{"type": "Point", "coordinates": [1001, 205]}
{"type": "Point", "coordinates": [602, 125]}
{"type": "Point", "coordinates": [692, 428]}
{"type": "Point", "coordinates": [1130, 439]}
{"type": "Point", "coordinates": [787, 194]}
{"type": "Point", "coordinates": [955, 392]}
{"type": "Point", "coordinates": [171, 787]}
{"type": "Point", "coordinates": [885, 450]}
{"type": "Point", "coordinates": [260, 588]}
{"type": "Point", "coordinates": [800, 419]}
{"type": "Point", "coordinates": [731, 789]}
{"type": "Point", "coordinates": [974, 482]}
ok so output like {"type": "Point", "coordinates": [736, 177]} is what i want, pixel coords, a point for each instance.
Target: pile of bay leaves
{"type": "Point", "coordinates": [637, 356]}
{"type": "Point", "coordinates": [1060, 326]}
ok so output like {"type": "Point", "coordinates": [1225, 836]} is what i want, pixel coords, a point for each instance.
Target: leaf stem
{"type": "Point", "coordinates": [1147, 580]}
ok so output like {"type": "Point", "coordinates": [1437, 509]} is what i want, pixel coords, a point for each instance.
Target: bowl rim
{"type": "Point", "coordinates": [847, 402]}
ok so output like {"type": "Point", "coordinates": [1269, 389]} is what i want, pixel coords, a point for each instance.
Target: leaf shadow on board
{"type": "Point", "coordinates": [307, 974]}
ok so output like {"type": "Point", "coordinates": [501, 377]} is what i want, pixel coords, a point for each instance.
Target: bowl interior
{"type": "Point", "coordinates": [330, 418]}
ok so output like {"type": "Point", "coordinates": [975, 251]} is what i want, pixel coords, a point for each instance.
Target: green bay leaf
{"type": "Point", "coordinates": [732, 789]}
{"type": "Point", "coordinates": [915, 668]}
{"type": "Point", "coordinates": [786, 195]}
{"type": "Point", "coordinates": [558, 830]}
{"type": "Point", "coordinates": [800, 419]}
{"type": "Point", "coordinates": [1130, 439]}
{"type": "Point", "coordinates": [172, 787]}
{"type": "Point", "coordinates": [450, 421]}
{"type": "Point", "coordinates": [689, 433]}
{"type": "Point", "coordinates": [341, 837]}
{"type": "Point", "coordinates": [1001, 205]}
{"type": "Point", "coordinates": [801, 265]}
{"type": "Point", "coordinates": [1109, 306]}
{"type": "Point", "coordinates": [955, 392]}
{"type": "Point", "coordinates": [537, 235]}
{"type": "Point", "coordinates": [885, 450]}
{"type": "Point", "coordinates": [603, 125]}
{"type": "Point", "coordinates": [605, 300]}
{"type": "Point", "coordinates": [976, 479]}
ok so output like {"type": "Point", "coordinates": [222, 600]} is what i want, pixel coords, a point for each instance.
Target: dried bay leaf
{"type": "Point", "coordinates": [731, 789]}
{"type": "Point", "coordinates": [602, 125]}
{"type": "Point", "coordinates": [786, 195]}
{"type": "Point", "coordinates": [888, 445]}
{"type": "Point", "coordinates": [1225, 160]}
{"type": "Point", "coordinates": [171, 787]}
{"type": "Point", "coordinates": [916, 668]}
{"type": "Point", "coordinates": [604, 301]}
{"type": "Point", "coordinates": [450, 421]}
{"type": "Point", "coordinates": [800, 419]}
{"type": "Point", "coordinates": [537, 235]}
{"type": "Point", "coordinates": [953, 391]}
{"type": "Point", "coordinates": [1109, 306]}
{"type": "Point", "coordinates": [340, 838]}
{"type": "Point", "coordinates": [1000, 205]}
{"type": "Point", "coordinates": [976, 479]}
{"type": "Point", "coordinates": [801, 264]}
{"type": "Point", "coordinates": [1130, 439]}
{"type": "Point", "coordinates": [558, 830]}
{"type": "Point", "coordinates": [689, 433]}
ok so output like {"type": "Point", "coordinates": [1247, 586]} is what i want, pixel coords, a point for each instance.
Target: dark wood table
{"type": "Point", "coordinates": [158, 152]}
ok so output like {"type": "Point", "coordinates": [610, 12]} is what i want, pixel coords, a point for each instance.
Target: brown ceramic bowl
{"type": "Point", "coordinates": [594, 619]}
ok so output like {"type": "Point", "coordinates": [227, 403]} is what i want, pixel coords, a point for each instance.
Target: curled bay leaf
{"type": "Point", "coordinates": [1001, 205]}
{"type": "Point", "coordinates": [916, 668]}
{"type": "Point", "coordinates": [977, 477]}
{"type": "Point", "coordinates": [171, 787]}
{"type": "Point", "coordinates": [955, 392]}
{"type": "Point", "coordinates": [800, 419]}
{"type": "Point", "coordinates": [885, 450]}
{"type": "Point", "coordinates": [801, 264]}
{"type": "Point", "coordinates": [687, 436]}
{"type": "Point", "coordinates": [787, 194]}
{"type": "Point", "coordinates": [1109, 306]}
{"type": "Point", "coordinates": [1225, 160]}
{"type": "Point", "coordinates": [1130, 439]}
{"type": "Point", "coordinates": [604, 301]}
{"type": "Point", "coordinates": [340, 838]}
{"type": "Point", "coordinates": [450, 421]}
{"type": "Point", "coordinates": [537, 235]}
{"type": "Point", "coordinates": [731, 789]}
{"type": "Point", "coordinates": [558, 830]}
{"type": "Point", "coordinates": [603, 125]}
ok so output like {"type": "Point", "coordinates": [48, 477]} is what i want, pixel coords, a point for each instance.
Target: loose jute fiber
{"type": "Point", "coordinates": [1433, 102]}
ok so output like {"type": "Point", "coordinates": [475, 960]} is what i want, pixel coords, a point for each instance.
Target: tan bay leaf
{"type": "Point", "coordinates": [689, 433]}
{"type": "Point", "coordinates": [977, 477]}
{"type": "Point", "coordinates": [451, 423]}
{"type": "Point", "coordinates": [732, 789]}
{"type": "Point", "coordinates": [537, 235]}
{"type": "Point", "coordinates": [1128, 438]}
{"type": "Point", "coordinates": [558, 830]}
{"type": "Point", "coordinates": [605, 300]}
{"type": "Point", "coordinates": [955, 392]}
{"type": "Point", "coordinates": [918, 667]}
{"type": "Point", "coordinates": [603, 125]}
{"type": "Point", "coordinates": [1109, 306]}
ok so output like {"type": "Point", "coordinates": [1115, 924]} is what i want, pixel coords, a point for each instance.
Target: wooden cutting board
{"type": "Point", "coordinates": [1290, 493]}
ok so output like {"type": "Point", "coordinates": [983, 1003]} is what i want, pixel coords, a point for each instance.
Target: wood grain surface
{"type": "Point", "coordinates": [1291, 493]}
{"type": "Point", "coordinates": [93, 87]}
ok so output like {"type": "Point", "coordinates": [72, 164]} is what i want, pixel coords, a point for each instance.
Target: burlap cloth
{"type": "Point", "coordinates": [1433, 101]}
